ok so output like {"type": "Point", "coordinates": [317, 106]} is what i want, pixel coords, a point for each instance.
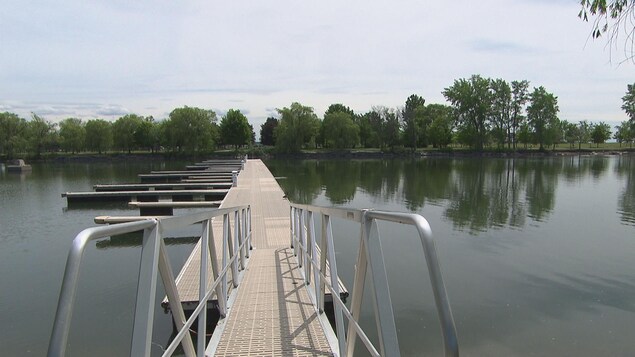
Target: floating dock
{"type": "Point", "coordinates": [272, 314]}
{"type": "Point", "coordinates": [147, 196]}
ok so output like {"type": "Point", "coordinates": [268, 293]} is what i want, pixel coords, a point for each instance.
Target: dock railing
{"type": "Point", "coordinates": [370, 259]}
{"type": "Point", "coordinates": [236, 244]}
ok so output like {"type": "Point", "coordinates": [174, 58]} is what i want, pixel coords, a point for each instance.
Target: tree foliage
{"type": "Point", "coordinates": [614, 18]}
{"type": "Point", "coordinates": [124, 131]}
{"type": "Point", "coordinates": [266, 131]}
{"type": "Point", "coordinates": [542, 114]}
{"type": "Point", "coordinates": [628, 102]}
{"type": "Point", "coordinates": [72, 135]}
{"type": "Point", "coordinates": [41, 135]}
{"type": "Point", "coordinates": [98, 135]}
{"type": "Point", "coordinates": [235, 129]}
{"type": "Point", "coordinates": [298, 126]}
{"type": "Point", "coordinates": [340, 130]}
{"type": "Point", "coordinates": [191, 129]}
{"type": "Point", "coordinates": [471, 100]}
{"type": "Point", "coordinates": [413, 120]}
{"type": "Point", "coordinates": [601, 132]}
{"type": "Point", "coordinates": [12, 134]}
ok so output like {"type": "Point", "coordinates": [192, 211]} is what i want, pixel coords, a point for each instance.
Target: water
{"type": "Point", "coordinates": [536, 253]}
{"type": "Point", "coordinates": [36, 231]}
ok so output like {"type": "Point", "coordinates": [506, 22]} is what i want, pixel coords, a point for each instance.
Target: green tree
{"type": "Point", "coordinates": [542, 114]}
{"type": "Point", "coordinates": [235, 129]}
{"type": "Point", "coordinates": [412, 120]}
{"type": "Point", "coordinates": [266, 131]}
{"type": "Point", "coordinates": [72, 135]}
{"type": "Point", "coordinates": [584, 133]}
{"type": "Point", "coordinates": [441, 124]}
{"type": "Point", "coordinates": [124, 131]}
{"type": "Point", "coordinates": [570, 133]}
{"type": "Point", "coordinates": [524, 134]}
{"type": "Point", "coordinates": [298, 126]}
{"type": "Point", "coordinates": [191, 129]}
{"type": "Point", "coordinates": [145, 135]}
{"type": "Point", "coordinates": [340, 131]}
{"type": "Point", "coordinates": [624, 133]}
{"type": "Point", "coordinates": [471, 100]}
{"type": "Point", "coordinates": [41, 134]}
{"type": "Point", "coordinates": [628, 102]}
{"type": "Point", "coordinates": [12, 134]}
{"type": "Point", "coordinates": [520, 96]}
{"type": "Point", "coordinates": [600, 133]}
{"type": "Point", "coordinates": [98, 135]}
{"type": "Point", "coordinates": [502, 105]}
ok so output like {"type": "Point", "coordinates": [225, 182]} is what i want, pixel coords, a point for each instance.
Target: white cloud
{"type": "Point", "coordinates": [150, 58]}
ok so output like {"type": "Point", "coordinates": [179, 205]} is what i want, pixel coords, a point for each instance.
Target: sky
{"type": "Point", "coordinates": [107, 58]}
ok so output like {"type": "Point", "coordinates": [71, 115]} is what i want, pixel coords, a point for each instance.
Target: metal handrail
{"type": "Point", "coordinates": [370, 258]}
{"type": "Point", "coordinates": [154, 262]}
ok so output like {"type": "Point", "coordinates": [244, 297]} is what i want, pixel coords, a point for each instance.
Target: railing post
{"type": "Point", "coordinates": [358, 292]}
{"type": "Point", "coordinates": [329, 249]}
{"type": "Point", "coordinates": [222, 300]}
{"type": "Point", "coordinates": [382, 303]}
{"type": "Point", "coordinates": [202, 288]}
{"type": "Point", "coordinates": [234, 178]}
{"type": "Point", "coordinates": [292, 224]}
{"type": "Point", "coordinates": [238, 239]}
{"type": "Point", "coordinates": [146, 293]}
{"type": "Point", "coordinates": [323, 255]}
{"type": "Point", "coordinates": [226, 248]}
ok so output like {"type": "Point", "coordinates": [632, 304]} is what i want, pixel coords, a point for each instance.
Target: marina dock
{"type": "Point", "coordinates": [272, 314]}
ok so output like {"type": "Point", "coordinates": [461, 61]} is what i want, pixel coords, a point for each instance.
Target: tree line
{"type": "Point", "coordinates": [186, 130]}
{"type": "Point", "coordinates": [481, 113]}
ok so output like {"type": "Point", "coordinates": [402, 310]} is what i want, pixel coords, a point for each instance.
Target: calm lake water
{"type": "Point", "coordinates": [36, 231]}
{"type": "Point", "coordinates": [536, 253]}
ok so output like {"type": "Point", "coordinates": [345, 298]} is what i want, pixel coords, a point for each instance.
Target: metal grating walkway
{"type": "Point", "coordinates": [272, 314]}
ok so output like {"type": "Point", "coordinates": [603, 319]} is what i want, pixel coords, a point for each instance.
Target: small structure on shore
{"type": "Point", "coordinates": [18, 166]}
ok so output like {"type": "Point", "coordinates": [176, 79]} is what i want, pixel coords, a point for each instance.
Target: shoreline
{"type": "Point", "coordinates": [335, 155]}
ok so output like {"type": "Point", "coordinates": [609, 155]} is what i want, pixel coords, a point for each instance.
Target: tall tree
{"type": "Point", "coordinates": [441, 124]}
{"type": "Point", "coordinates": [628, 102]}
{"type": "Point", "coordinates": [266, 131]}
{"type": "Point", "coordinates": [191, 129]}
{"type": "Point", "coordinates": [145, 136]}
{"type": "Point", "coordinates": [584, 133]}
{"type": "Point", "coordinates": [542, 114]}
{"type": "Point", "coordinates": [520, 96]}
{"type": "Point", "coordinates": [501, 110]}
{"type": "Point", "coordinates": [124, 131]}
{"type": "Point", "coordinates": [411, 127]}
{"type": "Point", "coordinates": [298, 126]}
{"type": "Point", "coordinates": [624, 133]}
{"type": "Point", "coordinates": [12, 134]}
{"type": "Point", "coordinates": [41, 134]}
{"type": "Point", "coordinates": [600, 133]}
{"type": "Point", "coordinates": [72, 135]}
{"type": "Point", "coordinates": [471, 100]}
{"type": "Point", "coordinates": [340, 131]}
{"type": "Point", "coordinates": [98, 135]}
{"type": "Point", "coordinates": [235, 129]}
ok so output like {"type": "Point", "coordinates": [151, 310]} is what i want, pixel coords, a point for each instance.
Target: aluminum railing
{"type": "Point", "coordinates": [370, 259]}
{"type": "Point", "coordinates": [154, 262]}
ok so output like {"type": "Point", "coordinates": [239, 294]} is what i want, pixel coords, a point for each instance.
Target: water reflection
{"type": "Point", "coordinates": [625, 168]}
{"type": "Point", "coordinates": [477, 193]}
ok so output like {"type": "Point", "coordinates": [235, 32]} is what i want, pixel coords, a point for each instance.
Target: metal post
{"type": "Point", "coordinates": [146, 293]}
{"type": "Point", "coordinates": [234, 178]}
{"type": "Point", "coordinates": [202, 289]}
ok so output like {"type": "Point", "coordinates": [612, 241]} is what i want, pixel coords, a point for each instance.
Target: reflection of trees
{"type": "Point", "coordinates": [626, 203]}
{"type": "Point", "coordinates": [340, 179]}
{"type": "Point", "coordinates": [478, 193]}
{"type": "Point", "coordinates": [541, 188]}
{"type": "Point", "coordinates": [301, 181]}
{"type": "Point", "coordinates": [425, 180]}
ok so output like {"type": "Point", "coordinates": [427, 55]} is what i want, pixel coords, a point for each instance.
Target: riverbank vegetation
{"type": "Point", "coordinates": [481, 114]}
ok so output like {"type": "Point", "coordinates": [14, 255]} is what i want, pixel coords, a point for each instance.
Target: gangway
{"type": "Point", "coordinates": [289, 266]}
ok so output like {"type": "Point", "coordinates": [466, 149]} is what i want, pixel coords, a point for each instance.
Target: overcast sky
{"type": "Point", "coordinates": [107, 58]}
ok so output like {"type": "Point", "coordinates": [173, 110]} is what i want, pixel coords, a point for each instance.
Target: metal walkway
{"type": "Point", "coordinates": [272, 314]}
